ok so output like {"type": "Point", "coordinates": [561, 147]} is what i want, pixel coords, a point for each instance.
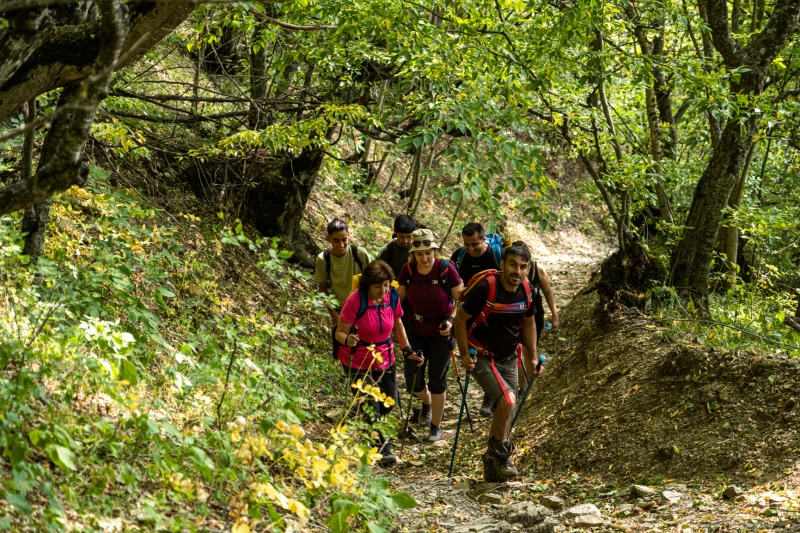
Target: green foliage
{"type": "Point", "coordinates": [135, 373]}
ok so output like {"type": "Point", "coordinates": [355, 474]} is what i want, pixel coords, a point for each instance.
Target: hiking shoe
{"type": "Point", "coordinates": [498, 470]}
{"type": "Point", "coordinates": [387, 457]}
{"type": "Point", "coordinates": [486, 407]}
{"type": "Point", "coordinates": [436, 434]}
{"type": "Point", "coordinates": [506, 469]}
{"type": "Point", "coordinates": [424, 419]}
{"type": "Point", "coordinates": [489, 469]}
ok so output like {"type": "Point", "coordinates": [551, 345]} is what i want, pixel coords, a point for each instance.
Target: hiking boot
{"type": "Point", "coordinates": [486, 407]}
{"type": "Point", "coordinates": [387, 457]}
{"type": "Point", "coordinates": [436, 434]}
{"type": "Point", "coordinates": [424, 419]}
{"type": "Point", "coordinates": [489, 469]}
{"type": "Point", "coordinates": [498, 469]}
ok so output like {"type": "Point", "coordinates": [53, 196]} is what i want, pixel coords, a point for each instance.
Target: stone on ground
{"type": "Point", "coordinates": [672, 497]}
{"type": "Point", "coordinates": [732, 492]}
{"type": "Point", "coordinates": [589, 520]}
{"type": "Point", "coordinates": [583, 510]}
{"type": "Point", "coordinates": [552, 502]}
{"type": "Point", "coordinates": [641, 491]}
{"type": "Point", "coordinates": [489, 498]}
{"type": "Point", "coordinates": [525, 514]}
{"type": "Point", "coordinates": [487, 524]}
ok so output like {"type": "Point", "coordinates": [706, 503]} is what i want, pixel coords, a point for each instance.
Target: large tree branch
{"type": "Point", "coordinates": [71, 54]}
{"type": "Point", "coordinates": [61, 166]}
{"type": "Point", "coordinates": [768, 43]}
{"type": "Point", "coordinates": [27, 31]}
{"type": "Point", "coordinates": [726, 45]}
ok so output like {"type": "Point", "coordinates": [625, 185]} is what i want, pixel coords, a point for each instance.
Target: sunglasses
{"type": "Point", "coordinates": [426, 242]}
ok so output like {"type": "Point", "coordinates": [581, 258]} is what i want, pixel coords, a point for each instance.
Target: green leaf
{"type": "Point", "coordinates": [160, 301]}
{"type": "Point", "coordinates": [19, 501]}
{"type": "Point", "coordinates": [166, 292]}
{"type": "Point", "coordinates": [403, 500]}
{"type": "Point", "coordinates": [375, 528]}
{"type": "Point", "coordinates": [61, 456]}
{"type": "Point", "coordinates": [542, 224]}
{"type": "Point", "coordinates": [5, 523]}
{"type": "Point", "coordinates": [128, 372]}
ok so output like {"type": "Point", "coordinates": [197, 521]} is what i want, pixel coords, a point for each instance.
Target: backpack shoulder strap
{"type": "Point", "coordinates": [394, 297]}
{"type": "Point", "coordinates": [444, 278]}
{"type": "Point", "coordinates": [362, 306]}
{"type": "Point", "coordinates": [354, 251]}
{"type": "Point", "coordinates": [498, 254]}
{"type": "Point", "coordinates": [488, 305]}
{"type": "Point", "coordinates": [327, 256]}
{"type": "Point", "coordinates": [460, 253]}
{"type": "Point", "coordinates": [410, 267]}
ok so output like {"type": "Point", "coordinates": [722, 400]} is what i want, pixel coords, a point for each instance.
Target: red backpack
{"type": "Point", "coordinates": [491, 277]}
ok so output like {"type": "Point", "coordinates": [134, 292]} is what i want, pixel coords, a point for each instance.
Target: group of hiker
{"type": "Point", "coordinates": [487, 300]}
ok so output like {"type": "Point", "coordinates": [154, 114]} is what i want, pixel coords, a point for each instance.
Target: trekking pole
{"type": "Point", "coordinates": [350, 366]}
{"type": "Point", "coordinates": [460, 386]}
{"type": "Point", "coordinates": [542, 359]}
{"type": "Point", "coordinates": [460, 414]}
{"type": "Point", "coordinates": [410, 399]}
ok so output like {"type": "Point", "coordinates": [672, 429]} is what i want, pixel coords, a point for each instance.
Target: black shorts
{"type": "Point", "coordinates": [436, 350]}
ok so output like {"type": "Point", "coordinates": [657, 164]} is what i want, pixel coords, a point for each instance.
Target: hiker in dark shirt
{"type": "Point", "coordinates": [395, 253]}
{"type": "Point", "coordinates": [494, 332]}
{"type": "Point", "coordinates": [542, 290]}
{"type": "Point", "coordinates": [477, 254]}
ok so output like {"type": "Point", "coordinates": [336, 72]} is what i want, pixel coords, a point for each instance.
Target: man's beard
{"type": "Point", "coordinates": [511, 282]}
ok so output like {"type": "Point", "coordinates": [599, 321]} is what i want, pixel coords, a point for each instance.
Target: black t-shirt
{"type": "Point", "coordinates": [502, 331]}
{"type": "Point", "coordinates": [472, 265]}
{"type": "Point", "coordinates": [395, 256]}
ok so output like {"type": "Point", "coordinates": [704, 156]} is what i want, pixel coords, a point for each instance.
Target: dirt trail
{"type": "Point", "coordinates": [578, 499]}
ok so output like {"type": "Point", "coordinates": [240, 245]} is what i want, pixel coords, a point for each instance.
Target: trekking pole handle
{"type": "Point", "coordinates": [542, 359]}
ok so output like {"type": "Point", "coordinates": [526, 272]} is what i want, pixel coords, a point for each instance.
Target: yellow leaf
{"type": "Point", "coordinates": [676, 450]}
{"type": "Point", "coordinates": [240, 527]}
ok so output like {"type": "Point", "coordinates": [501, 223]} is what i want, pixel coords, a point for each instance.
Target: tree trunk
{"type": "Point", "coordinates": [691, 259]}
{"type": "Point", "coordinates": [35, 217]}
{"type": "Point", "coordinates": [258, 84]}
{"type": "Point", "coordinates": [732, 231]}
{"type": "Point", "coordinates": [277, 206]}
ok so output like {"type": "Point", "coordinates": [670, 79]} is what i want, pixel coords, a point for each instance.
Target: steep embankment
{"type": "Point", "coordinates": [631, 403]}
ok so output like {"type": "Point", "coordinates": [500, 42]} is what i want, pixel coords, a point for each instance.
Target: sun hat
{"type": "Point", "coordinates": [423, 239]}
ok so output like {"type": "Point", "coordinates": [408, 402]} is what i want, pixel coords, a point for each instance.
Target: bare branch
{"type": "Point", "coordinates": [293, 27]}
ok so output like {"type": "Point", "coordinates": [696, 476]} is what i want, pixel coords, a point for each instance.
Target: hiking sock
{"type": "Point", "coordinates": [425, 415]}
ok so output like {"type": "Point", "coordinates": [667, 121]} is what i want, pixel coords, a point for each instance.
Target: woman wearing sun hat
{"type": "Point", "coordinates": [432, 286]}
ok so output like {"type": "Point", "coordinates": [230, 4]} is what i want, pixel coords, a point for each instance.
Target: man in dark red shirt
{"type": "Point", "coordinates": [510, 321]}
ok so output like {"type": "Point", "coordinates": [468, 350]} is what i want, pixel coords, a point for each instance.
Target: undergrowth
{"type": "Point", "coordinates": [744, 317]}
{"type": "Point", "coordinates": [156, 372]}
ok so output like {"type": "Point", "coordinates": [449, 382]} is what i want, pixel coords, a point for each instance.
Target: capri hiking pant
{"type": "Point", "coordinates": [497, 378]}
{"type": "Point", "coordinates": [436, 350]}
{"type": "Point", "coordinates": [386, 380]}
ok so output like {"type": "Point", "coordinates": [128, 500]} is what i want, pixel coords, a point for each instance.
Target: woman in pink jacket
{"type": "Point", "coordinates": [369, 317]}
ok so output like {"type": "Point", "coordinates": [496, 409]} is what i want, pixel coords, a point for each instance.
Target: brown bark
{"type": "Point", "coordinates": [71, 53]}
{"type": "Point", "coordinates": [62, 166]}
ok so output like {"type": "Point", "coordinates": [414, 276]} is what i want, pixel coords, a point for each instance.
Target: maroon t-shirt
{"type": "Point", "coordinates": [429, 299]}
